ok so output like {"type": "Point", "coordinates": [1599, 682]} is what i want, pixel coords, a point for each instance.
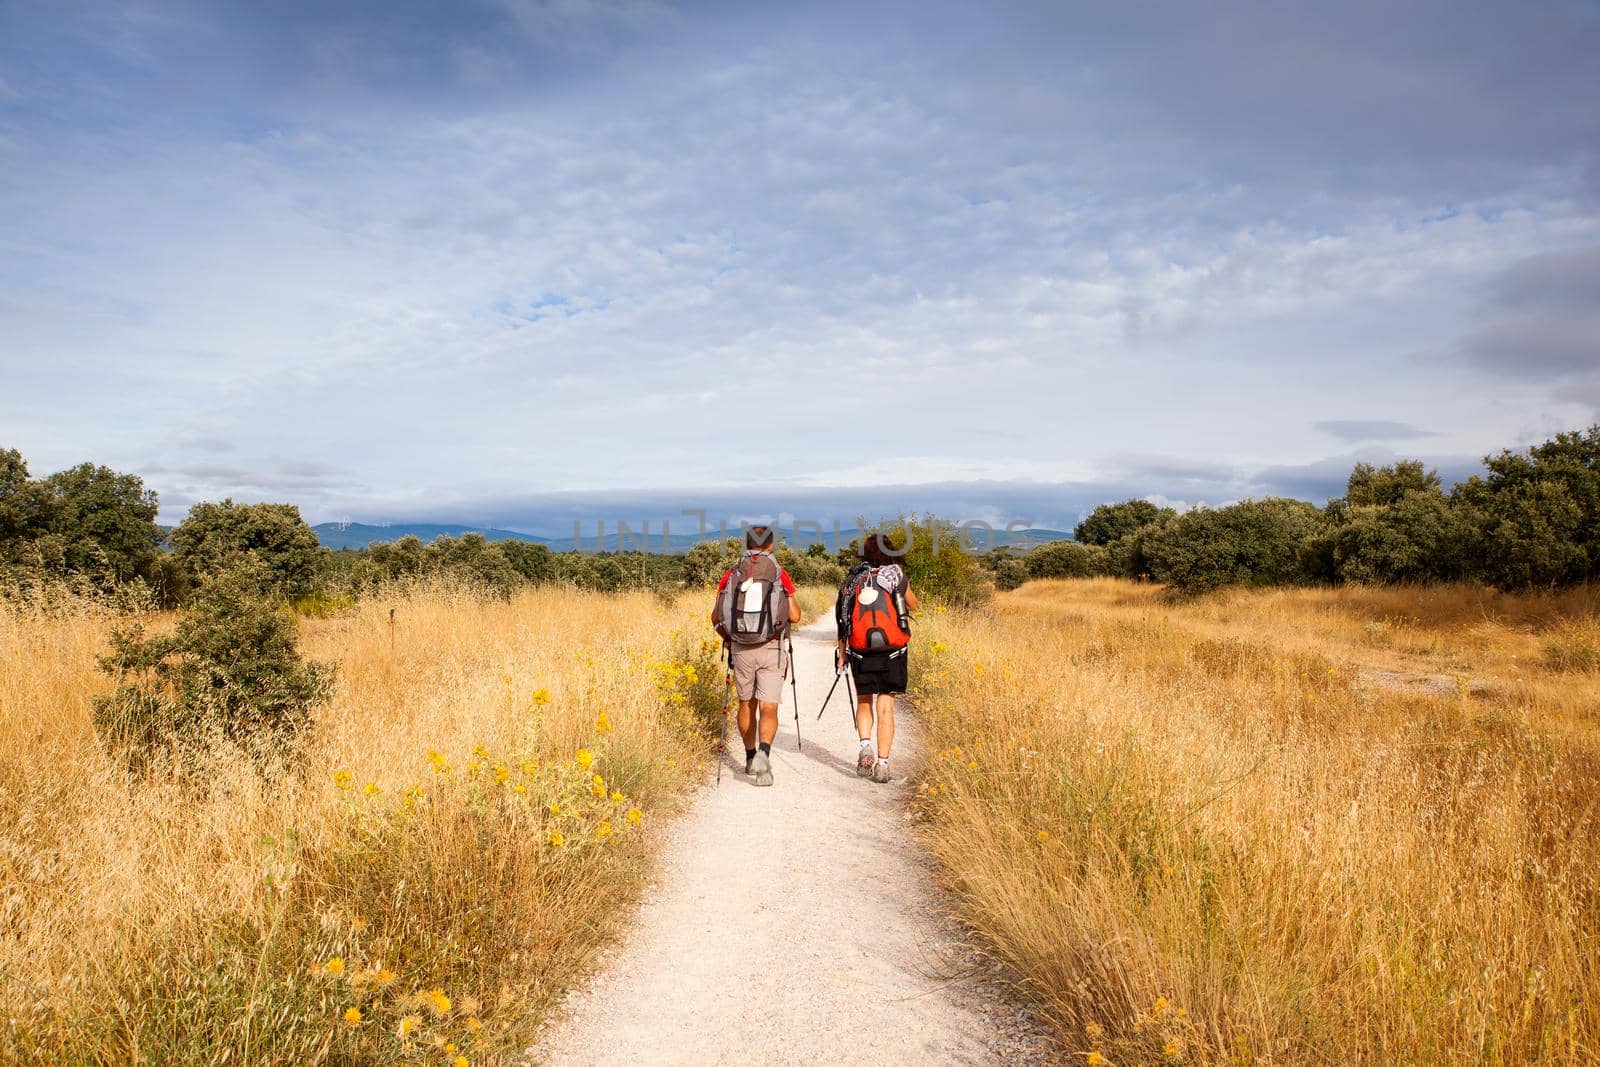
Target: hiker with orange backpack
{"type": "Point", "coordinates": [755, 607]}
{"type": "Point", "coordinates": [873, 614]}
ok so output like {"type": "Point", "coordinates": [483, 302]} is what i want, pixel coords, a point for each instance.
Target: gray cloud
{"type": "Point", "coordinates": [1543, 319]}
{"type": "Point", "coordinates": [513, 249]}
{"type": "Point", "coordinates": [1360, 430]}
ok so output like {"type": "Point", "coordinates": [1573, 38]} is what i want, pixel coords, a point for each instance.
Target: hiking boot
{"type": "Point", "coordinates": [880, 771]}
{"type": "Point", "coordinates": [864, 762]}
{"type": "Point", "coordinates": [761, 767]}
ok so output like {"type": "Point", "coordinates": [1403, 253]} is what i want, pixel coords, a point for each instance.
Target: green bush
{"type": "Point", "coordinates": [1067, 559]}
{"type": "Point", "coordinates": [230, 671]}
{"type": "Point", "coordinates": [1007, 567]}
{"type": "Point", "coordinates": [1253, 542]}
{"type": "Point", "coordinates": [215, 537]}
{"type": "Point", "coordinates": [1536, 515]}
{"type": "Point", "coordinates": [1109, 523]}
{"type": "Point", "coordinates": [88, 523]}
{"type": "Point", "coordinates": [705, 562]}
{"type": "Point", "coordinates": [1418, 538]}
{"type": "Point", "coordinates": [1370, 486]}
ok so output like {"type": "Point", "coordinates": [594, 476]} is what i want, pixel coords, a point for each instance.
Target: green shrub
{"type": "Point", "coordinates": [1253, 542]}
{"type": "Point", "coordinates": [705, 562]}
{"type": "Point", "coordinates": [1067, 559]}
{"type": "Point", "coordinates": [1377, 486]}
{"type": "Point", "coordinates": [229, 671]}
{"type": "Point", "coordinates": [1536, 514]}
{"type": "Point", "coordinates": [1006, 567]}
{"type": "Point", "coordinates": [215, 537]}
{"type": "Point", "coordinates": [88, 523]}
{"type": "Point", "coordinates": [1112, 522]}
{"type": "Point", "coordinates": [1419, 538]}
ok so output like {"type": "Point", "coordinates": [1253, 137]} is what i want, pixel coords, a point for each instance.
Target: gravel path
{"type": "Point", "coordinates": [793, 925]}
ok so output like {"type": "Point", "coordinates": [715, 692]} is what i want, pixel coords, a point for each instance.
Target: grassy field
{"type": "Point", "coordinates": [471, 824]}
{"type": "Point", "coordinates": [1281, 826]}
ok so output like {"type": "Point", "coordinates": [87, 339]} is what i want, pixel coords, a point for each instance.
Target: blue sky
{"type": "Point", "coordinates": [514, 261]}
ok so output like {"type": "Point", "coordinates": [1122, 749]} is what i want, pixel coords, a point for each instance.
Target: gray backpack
{"type": "Point", "coordinates": [752, 608]}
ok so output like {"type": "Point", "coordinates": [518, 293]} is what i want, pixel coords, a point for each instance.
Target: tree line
{"type": "Point", "coordinates": [1532, 519]}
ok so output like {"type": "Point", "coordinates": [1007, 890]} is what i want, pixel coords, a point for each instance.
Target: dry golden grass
{"type": "Point", "coordinates": [413, 896]}
{"type": "Point", "coordinates": [1276, 826]}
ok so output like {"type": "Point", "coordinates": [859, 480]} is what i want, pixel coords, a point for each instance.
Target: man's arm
{"type": "Point", "coordinates": [794, 601]}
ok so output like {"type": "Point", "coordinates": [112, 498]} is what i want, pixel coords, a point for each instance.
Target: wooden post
{"type": "Point", "coordinates": [391, 631]}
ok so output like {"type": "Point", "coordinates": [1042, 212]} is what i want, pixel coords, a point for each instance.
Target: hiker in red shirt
{"type": "Point", "coordinates": [755, 606]}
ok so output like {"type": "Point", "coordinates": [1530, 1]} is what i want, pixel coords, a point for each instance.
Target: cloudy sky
{"type": "Point", "coordinates": [512, 261]}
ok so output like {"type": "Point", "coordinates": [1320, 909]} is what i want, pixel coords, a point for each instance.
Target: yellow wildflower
{"type": "Point", "coordinates": [358, 924]}
{"type": "Point", "coordinates": [1095, 1059]}
{"type": "Point", "coordinates": [437, 1001]}
{"type": "Point", "coordinates": [460, 1061]}
{"type": "Point", "coordinates": [557, 839]}
{"type": "Point", "coordinates": [502, 773]}
{"type": "Point", "coordinates": [440, 764]}
{"type": "Point", "coordinates": [541, 697]}
{"type": "Point", "coordinates": [635, 815]}
{"type": "Point", "coordinates": [597, 791]}
{"type": "Point", "coordinates": [474, 1024]}
{"type": "Point", "coordinates": [334, 966]}
{"type": "Point", "coordinates": [1043, 835]}
{"type": "Point", "coordinates": [449, 1048]}
{"type": "Point", "coordinates": [371, 789]}
{"type": "Point", "coordinates": [385, 976]}
{"type": "Point", "coordinates": [616, 798]}
{"type": "Point", "coordinates": [972, 764]}
{"type": "Point", "coordinates": [602, 724]}
{"type": "Point", "coordinates": [603, 831]}
{"type": "Point", "coordinates": [341, 778]}
{"type": "Point", "coordinates": [585, 758]}
{"type": "Point", "coordinates": [519, 788]}
{"type": "Point", "coordinates": [599, 781]}
{"type": "Point", "coordinates": [1160, 1007]}
{"type": "Point", "coordinates": [352, 1016]}
{"type": "Point", "coordinates": [480, 751]}
{"type": "Point", "coordinates": [555, 807]}
{"type": "Point", "coordinates": [408, 1024]}
{"type": "Point", "coordinates": [1172, 1050]}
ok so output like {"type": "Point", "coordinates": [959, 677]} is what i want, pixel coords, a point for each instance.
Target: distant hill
{"type": "Point", "coordinates": [338, 535]}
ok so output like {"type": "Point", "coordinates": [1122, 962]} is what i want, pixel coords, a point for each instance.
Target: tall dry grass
{"type": "Point", "coordinates": [444, 867]}
{"type": "Point", "coordinates": [1255, 829]}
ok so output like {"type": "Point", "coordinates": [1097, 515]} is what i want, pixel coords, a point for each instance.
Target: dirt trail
{"type": "Point", "coordinates": [793, 925]}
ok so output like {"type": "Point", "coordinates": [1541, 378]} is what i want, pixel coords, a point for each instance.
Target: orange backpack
{"type": "Point", "coordinates": [877, 619]}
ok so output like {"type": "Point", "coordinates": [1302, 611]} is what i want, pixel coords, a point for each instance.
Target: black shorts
{"type": "Point", "coordinates": [880, 672]}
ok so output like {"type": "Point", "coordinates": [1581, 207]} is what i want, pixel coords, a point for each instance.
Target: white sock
{"type": "Point", "coordinates": [866, 742]}
{"type": "Point", "coordinates": [883, 760]}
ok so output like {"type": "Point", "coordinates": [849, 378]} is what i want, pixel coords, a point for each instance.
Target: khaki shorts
{"type": "Point", "coordinates": [759, 672]}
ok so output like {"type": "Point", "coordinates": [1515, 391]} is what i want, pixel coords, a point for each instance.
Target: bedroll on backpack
{"type": "Point", "coordinates": [879, 621]}
{"type": "Point", "coordinates": [753, 607]}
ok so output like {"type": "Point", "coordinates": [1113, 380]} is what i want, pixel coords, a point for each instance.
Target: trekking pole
{"type": "Point", "coordinates": [840, 673]}
{"type": "Point", "coordinates": [727, 689]}
{"type": "Point", "coordinates": [794, 683]}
